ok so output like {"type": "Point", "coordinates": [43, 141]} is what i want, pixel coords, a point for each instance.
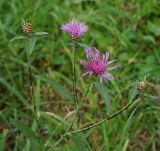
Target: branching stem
{"type": "Point", "coordinates": [107, 118]}
{"type": "Point", "coordinates": [67, 133]}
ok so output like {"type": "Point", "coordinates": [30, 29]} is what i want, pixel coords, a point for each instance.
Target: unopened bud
{"type": "Point", "coordinates": [141, 85]}
{"type": "Point", "coordinates": [27, 27]}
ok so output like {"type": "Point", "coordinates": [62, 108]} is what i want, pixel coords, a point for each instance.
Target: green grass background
{"type": "Point", "coordinates": [128, 29]}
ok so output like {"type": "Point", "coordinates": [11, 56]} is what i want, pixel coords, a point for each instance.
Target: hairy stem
{"type": "Point", "coordinates": [32, 91]}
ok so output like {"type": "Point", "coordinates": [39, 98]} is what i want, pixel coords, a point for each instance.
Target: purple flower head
{"type": "Point", "coordinates": [97, 65]}
{"type": "Point", "coordinates": [75, 29]}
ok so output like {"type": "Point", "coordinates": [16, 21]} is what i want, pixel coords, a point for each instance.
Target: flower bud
{"type": "Point", "coordinates": [141, 85]}
{"type": "Point", "coordinates": [27, 27]}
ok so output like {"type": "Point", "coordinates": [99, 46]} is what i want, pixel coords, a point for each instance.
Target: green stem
{"type": "Point", "coordinates": [81, 102]}
{"type": "Point", "coordinates": [67, 131]}
{"type": "Point", "coordinates": [32, 91]}
{"type": "Point", "coordinates": [150, 96]}
{"type": "Point", "coordinates": [107, 118]}
{"type": "Point", "coordinates": [98, 123]}
{"type": "Point", "coordinates": [74, 73]}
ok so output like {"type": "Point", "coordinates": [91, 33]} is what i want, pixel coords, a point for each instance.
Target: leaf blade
{"type": "Point", "coordinates": [57, 117]}
{"type": "Point", "coordinates": [42, 33]}
{"type": "Point", "coordinates": [17, 38]}
{"type": "Point", "coordinates": [83, 45]}
{"type": "Point", "coordinates": [25, 130]}
{"type": "Point", "coordinates": [31, 44]}
{"type": "Point", "coordinates": [101, 89]}
{"type": "Point", "coordinates": [57, 87]}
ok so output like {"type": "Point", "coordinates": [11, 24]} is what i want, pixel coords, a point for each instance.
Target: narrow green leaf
{"type": "Point", "coordinates": [105, 137]}
{"type": "Point", "coordinates": [14, 91]}
{"type": "Point", "coordinates": [17, 38]}
{"type": "Point", "coordinates": [57, 117]}
{"type": "Point", "coordinates": [23, 21]}
{"type": "Point", "coordinates": [40, 33]}
{"type": "Point", "coordinates": [133, 91]}
{"type": "Point", "coordinates": [80, 142]}
{"type": "Point", "coordinates": [125, 146]}
{"type": "Point", "coordinates": [83, 45]}
{"type": "Point", "coordinates": [57, 87]}
{"type": "Point", "coordinates": [25, 130]}
{"type": "Point", "coordinates": [103, 92]}
{"type": "Point", "coordinates": [31, 43]}
{"type": "Point", "coordinates": [3, 139]}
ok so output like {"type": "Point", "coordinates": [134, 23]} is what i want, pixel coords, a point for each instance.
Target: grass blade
{"type": "Point", "coordinates": [25, 130]}
{"type": "Point", "coordinates": [103, 92]}
{"type": "Point", "coordinates": [57, 87]}
{"type": "Point", "coordinates": [57, 117]}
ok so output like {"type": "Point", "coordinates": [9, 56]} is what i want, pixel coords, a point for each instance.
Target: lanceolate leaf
{"type": "Point", "coordinates": [83, 45]}
{"type": "Point", "coordinates": [57, 87]}
{"type": "Point", "coordinates": [57, 117]}
{"type": "Point", "coordinates": [103, 92]}
{"type": "Point", "coordinates": [40, 33]}
{"type": "Point", "coordinates": [25, 130]}
{"type": "Point", "coordinates": [31, 43]}
{"type": "Point", "coordinates": [133, 91]}
{"type": "Point", "coordinates": [17, 38]}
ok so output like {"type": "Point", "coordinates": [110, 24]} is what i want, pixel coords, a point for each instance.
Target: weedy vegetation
{"type": "Point", "coordinates": [58, 91]}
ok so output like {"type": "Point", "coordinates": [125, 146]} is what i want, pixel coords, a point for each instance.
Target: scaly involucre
{"type": "Point", "coordinates": [75, 29]}
{"type": "Point", "coordinates": [97, 64]}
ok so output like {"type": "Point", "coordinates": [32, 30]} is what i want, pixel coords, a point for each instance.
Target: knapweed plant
{"type": "Point", "coordinates": [30, 38]}
{"type": "Point", "coordinates": [96, 66]}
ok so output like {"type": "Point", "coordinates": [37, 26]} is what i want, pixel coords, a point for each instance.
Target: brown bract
{"type": "Point", "coordinates": [27, 27]}
{"type": "Point", "coordinates": [141, 85]}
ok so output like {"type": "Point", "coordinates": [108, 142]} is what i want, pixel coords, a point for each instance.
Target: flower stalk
{"type": "Point", "coordinates": [74, 72]}
{"type": "Point", "coordinates": [79, 106]}
{"type": "Point", "coordinates": [32, 90]}
{"type": "Point", "coordinates": [77, 112]}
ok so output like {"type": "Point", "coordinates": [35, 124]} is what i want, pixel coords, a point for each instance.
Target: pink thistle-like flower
{"type": "Point", "coordinates": [75, 29]}
{"type": "Point", "coordinates": [97, 65]}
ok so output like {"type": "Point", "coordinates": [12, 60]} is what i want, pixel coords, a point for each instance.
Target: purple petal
{"type": "Point", "coordinates": [84, 74]}
{"type": "Point", "coordinates": [115, 67]}
{"type": "Point", "coordinates": [107, 56]}
{"type": "Point", "coordinates": [108, 75]}
{"type": "Point", "coordinates": [103, 58]}
{"type": "Point", "coordinates": [89, 52]}
{"type": "Point", "coordinates": [100, 79]}
{"type": "Point", "coordinates": [97, 52]}
{"type": "Point", "coordinates": [90, 73]}
{"type": "Point", "coordinates": [109, 62]}
{"type": "Point", "coordinates": [82, 63]}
